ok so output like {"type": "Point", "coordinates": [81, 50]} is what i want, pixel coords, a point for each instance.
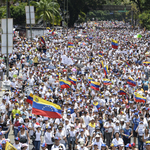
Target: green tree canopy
{"type": "Point", "coordinates": [18, 13]}
{"type": "Point", "coordinates": [45, 10]}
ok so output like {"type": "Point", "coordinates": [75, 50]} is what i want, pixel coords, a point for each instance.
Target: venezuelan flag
{"type": "Point", "coordinates": [90, 79]}
{"type": "Point", "coordinates": [95, 85]}
{"type": "Point", "coordinates": [146, 62]}
{"type": "Point", "coordinates": [45, 108]}
{"type": "Point", "coordinates": [122, 92]}
{"type": "Point", "coordinates": [114, 44]}
{"type": "Point", "coordinates": [64, 84]}
{"type": "Point", "coordinates": [131, 82]}
{"type": "Point", "coordinates": [101, 54]}
{"type": "Point", "coordinates": [57, 75]}
{"type": "Point", "coordinates": [70, 44]}
{"type": "Point", "coordinates": [43, 39]}
{"type": "Point", "coordinates": [97, 105]}
{"type": "Point", "coordinates": [106, 70]}
{"type": "Point", "coordinates": [127, 64]}
{"type": "Point", "coordinates": [102, 63]}
{"type": "Point", "coordinates": [72, 80]}
{"type": "Point", "coordinates": [30, 99]}
{"type": "Point", "coordinates": [107, 82]}
{"type": "Point", "coordinates": [139, 98]}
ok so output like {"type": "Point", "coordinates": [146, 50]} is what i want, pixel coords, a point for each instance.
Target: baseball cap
{"type": "Point", "coordinates": [44, 145]}
{"type": "Point", "coordinates": [17, 138]}
{"type": "Point", "coordinates": [49, 127]}
{"type": "Point", "coordinates": [103, 145]}
{"type": "Point", "coordinates": [56, 138]}
{"type": "Point", "coordinates": [95, 143]}
{"type": "Point", "coordinates": [17, 114]}
{"type": "Point", "coordinates": [3, 142]}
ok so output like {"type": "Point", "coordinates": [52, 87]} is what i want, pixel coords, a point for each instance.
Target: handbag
{"type": "Point", "coordinates": [33, 137]}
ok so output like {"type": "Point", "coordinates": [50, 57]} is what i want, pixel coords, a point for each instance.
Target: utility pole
{"type": "Point", "coordinates": [64, 12]}
{"type": "Point", "coordinates": [7, 66]}
{"type": "Point", "coordinates": [53, 14]}
{"type": "Point", "coordinates": [30, 19]}
{"type": "Point", "coordinates": [67, 16]}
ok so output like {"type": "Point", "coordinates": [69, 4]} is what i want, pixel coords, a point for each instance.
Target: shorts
{"type": "Point", "coordinates": [134, 133]}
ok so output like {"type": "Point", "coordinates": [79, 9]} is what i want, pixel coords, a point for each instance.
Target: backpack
{"type": "Point", "coordinates": [17, 124]}
{"type": "Point", "coordinates": [23, 139]}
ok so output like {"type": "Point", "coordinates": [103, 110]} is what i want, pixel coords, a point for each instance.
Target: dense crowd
{"type": "Point", "coordinates": [95, 119]}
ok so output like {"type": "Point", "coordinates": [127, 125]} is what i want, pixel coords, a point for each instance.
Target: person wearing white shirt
{"type": "Point", "coordinates": [48, 138]}
{"type": "Point", "coordinates": [108, 131]}
{"type": "Point", "coordinates": [86, 118]}
{"type": "Point", "coordinates": [98, 140]}
{"type": "Point", "coordinates": [71, 136]}
{"type": "Point", "coordinates": [116, 127]}
{"type": "Point", "coordinates": [17, 144]}
{"type": "Point", "coordinates": [117, 141]}
{"type": "Point", "coordinates": [57, 144]}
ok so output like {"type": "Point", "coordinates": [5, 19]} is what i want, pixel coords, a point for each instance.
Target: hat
{"type": "Point", "coordinates": [81, 130]}
{"type": "Point", "coordinates": [44, 145]}
{"type": "Point", "coordinates": [127, 145]}
{"type": "Point", "coordinates": [117, 121]}
{"type": "Point", "coordinates": [1, 133]}
{"type": "Point", "coordinates": [91, 119]}
{"type": "Point", "coordinates": [66, 119]}
{"type": "Point", "coordinates": [95, 143]}
{"type": "Point", "coordinates": [22, 126]}
{"type": "Point", "coordinates": [17, 114]}
{"type": "Point", "coordinates": [56, 138]}
{"type": "Point", "coordinates": [17, 138]}
{"type": "Point", "coordinates": [103, 145]}
{"type": "Point", "coordinates": [3, 142]}
{"type": "Point", "coordinates": [97, 136]}
{"type": "Point", "coordinates": [49, 127]}
{"type": "Point", "coordinates": [136, 114]}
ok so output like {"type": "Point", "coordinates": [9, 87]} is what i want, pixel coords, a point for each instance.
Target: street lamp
{"type": "Point", "coordinates": [53, 14]}
{"type": "Point", "coordinates": [30, 19]}
{"type": "Point", "coordinates": [7, 37]}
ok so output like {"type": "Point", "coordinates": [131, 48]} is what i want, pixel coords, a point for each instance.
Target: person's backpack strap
{"type": "Point", "coordinates": [19, 134]}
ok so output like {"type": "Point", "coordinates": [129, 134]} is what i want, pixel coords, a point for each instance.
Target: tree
{"type": "Point", "coordinates": [76, 7]}
{"type": "Point", "coordinates": [45, 10]}
{"type": "Point", "coordinates": [18, 13]}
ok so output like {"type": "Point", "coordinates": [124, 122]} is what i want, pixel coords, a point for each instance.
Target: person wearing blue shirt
{"type": "Point", "coordinates": [145, 85]}
{"type": "Point", "coordinates": [127, 134]}
{"type": "Point", "coordinates": [136, 121]}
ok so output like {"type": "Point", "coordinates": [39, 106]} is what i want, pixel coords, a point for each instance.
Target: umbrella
{"type": "Point", "coordinates": [80, 65]}
{"type": "Point", "coordinates": [51, 67]}
{"type": "Point", "coordinates": [87, 68]}
{"type": "Point", "coordinates": [82, 43]}
{"type": "Point", "coordinates": [77, 58]}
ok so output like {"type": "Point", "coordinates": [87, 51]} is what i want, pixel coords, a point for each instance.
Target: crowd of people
{"type": "Point", "coordinates": [98, 118]}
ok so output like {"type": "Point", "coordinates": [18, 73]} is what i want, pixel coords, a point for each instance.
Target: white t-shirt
{"type": "Point", "coordinates": [17, 146]}
{"type": "Point", "coordinates": [38, 136]}
{"type": "Point", "coordinates": [107, 124]}
{"type": "Point", "coordinates": [117, 142]}
{"type": "Point", "coordinates": [54, 147]}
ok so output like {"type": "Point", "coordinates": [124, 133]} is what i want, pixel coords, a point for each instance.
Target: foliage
{"type": "Point", "coordinates": [2, 12]}
{"type": "Point", "coordinates": [18, 13]}
{"type": "Point", "coordinates": [45, 10]}
{"type": "Point", "coordinates": [105, 15]}
{"type": "Point", "coordinates": [82, 17]}
{"type": "Point", "coordinates": [144, 12]}
{"type": "Point", "coordinates": [145, 19]}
